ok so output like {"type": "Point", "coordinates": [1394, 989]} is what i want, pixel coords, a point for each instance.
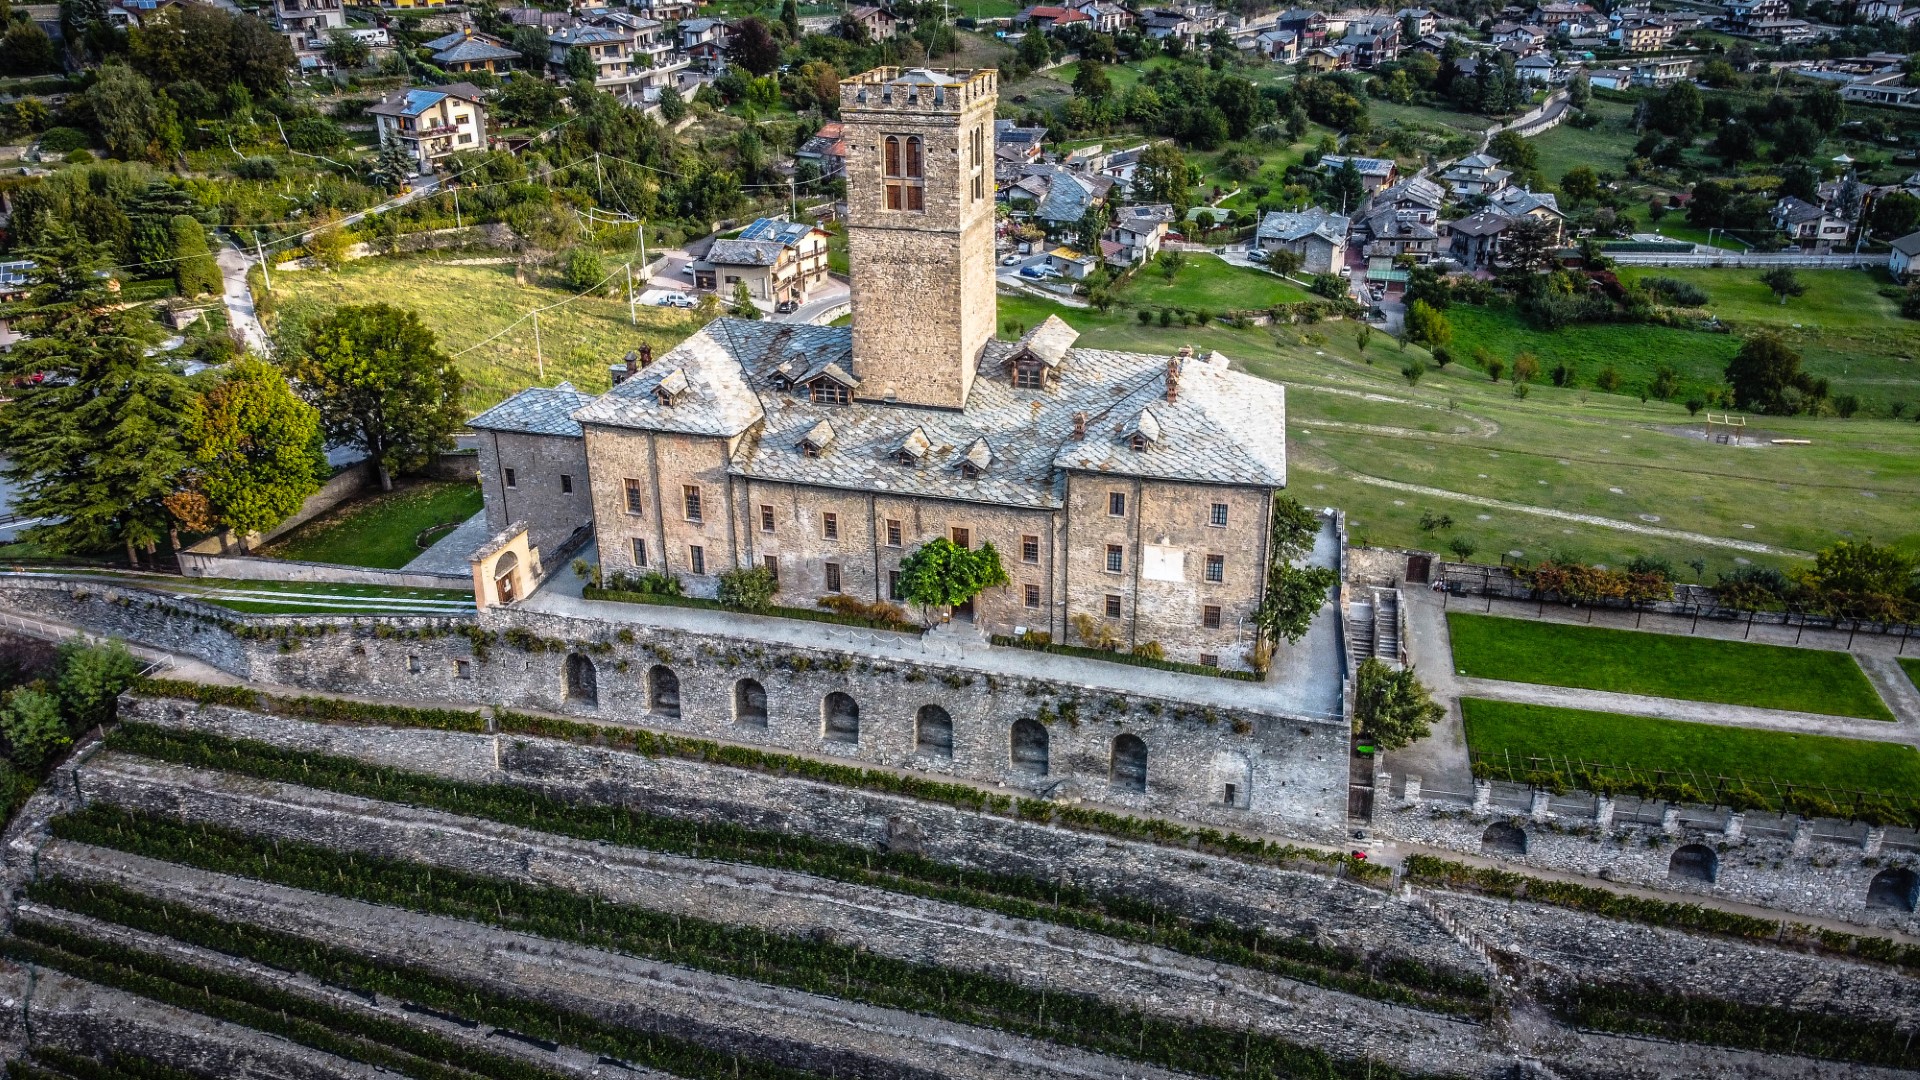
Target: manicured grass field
{"type": "Point", "coordinates": [1635, 351]}
{"type": "Point", "coordinates": [1603, 148]}
{"type": "Point", "coordinates": [1354, 428]}
{"type": "Point", "coordinates": [1497, 728]}
{"type": "Point", "coordinates": [466, 305]}
{"type": "Point", "coordinates": [1912, 667]}
{"type": "Point", "coordinates": [379, 531]}
{"type": "Point", "coordinates": [1663, 665]}
{"type": "Point", "coordinates": [1207, 283]}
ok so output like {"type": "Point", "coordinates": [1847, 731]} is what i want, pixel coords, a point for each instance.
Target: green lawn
{"type": "Point", "coordinates": [466, 305]}
{"type": "Point", "coordinates": [1911, 665]}
{"type": "Point", "coordinates": [1603, 148]}
{"type": "Point", "coordinates": [1354, 427]}
{"type": "Point", "coordinates": [1207, 283]}
{"type": "Point", "coordinates": [1663, 665]}
{"type": "Point", "coordinates": [1635, 351]}
{"type": "Point", "coordinates": [380, 530]}
{"type": "Point", "coordinates": [1498, 728]}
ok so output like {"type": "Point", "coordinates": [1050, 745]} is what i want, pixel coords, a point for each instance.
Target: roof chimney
{"type": "Point", "coordinates": [1173, 377]}
{"type": "Point", "coordinates": [1079, 425]}
{"type": "Point", "coordinates": [646, 355]}
{"type": "Point", "coordinates": [632, 361]}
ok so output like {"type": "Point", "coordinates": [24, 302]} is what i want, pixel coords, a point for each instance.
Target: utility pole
{"type": "Point", "coordinates": [261, 254]}
{"type": "Point", "coordinates": [599, 180]}
{"type": "Point", "coordinates": [537, 357]}
{"type": "Point", "coordinates": [793, 200]}
{"type": "Point", "coordinates": [456, 209]}
{"type": "Point", "coordinates": [633, 319]}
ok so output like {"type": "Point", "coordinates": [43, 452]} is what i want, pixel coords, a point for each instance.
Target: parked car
{"type": "Point", "coordinates": [787, 307]}
{"type": "Point", "coordinates": [678, 300]}
{"type": "Point", "coordinates": [1257, 254]}
{"type": "Point", "coordinates": [687, 269]}
{"type": "Point", "coordinates": [1011, 260]}
{"type": "Point", "coordinates": [1033, 272]}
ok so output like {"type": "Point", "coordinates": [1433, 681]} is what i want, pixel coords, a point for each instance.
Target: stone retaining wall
{"type": "Point", "coordinates": [1801, 875]}
{"type": "Point", "coordinates": [1333, 912]}
{"type": "Point", "coordinates": [1288, 774]}
{"type": "Point", "coordinates": [731, 1015]}
{"type": "Point", "coordinates": [1056, 958]}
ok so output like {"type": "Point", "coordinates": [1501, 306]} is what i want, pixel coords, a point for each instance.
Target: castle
{"type": "Point", "coordinates": [1128, 489]}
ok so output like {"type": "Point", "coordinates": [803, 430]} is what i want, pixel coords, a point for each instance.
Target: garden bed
{"type": "Point", "coordinates": [381, 530]}
{"type": "Point", "coordinates": [1114, 657]}
{"type": "Point", "coordinates": [629, 596]}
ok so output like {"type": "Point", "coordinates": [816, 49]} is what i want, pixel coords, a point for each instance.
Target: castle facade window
{"type": "Point", "coordinates": [904, 170]}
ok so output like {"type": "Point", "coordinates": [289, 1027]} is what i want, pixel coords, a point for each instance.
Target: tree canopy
{"type": "Point", "coordinates": [380, 381]}
{"type": "Point", "coordinates": [92, 437]}
{"type": "Point", "coordinates": [1390, 706]}
{"type": "Point", "coordinates": [257, 448]}
{"type": "Point", "coordinates": [941, 573]}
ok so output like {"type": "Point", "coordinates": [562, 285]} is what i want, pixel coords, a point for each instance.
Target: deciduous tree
{"type": "Point", "coordinates": [1391, 707]}
{"type": "Point", "coordinates": [381, 383]}
{"type": "Point", "coordinates": [941, 573]}
{"type": "Point", "coordinates": [257, 448]}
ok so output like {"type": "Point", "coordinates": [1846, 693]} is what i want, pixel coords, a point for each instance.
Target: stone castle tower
{"type": "Point", "coordinates": [920, 230]}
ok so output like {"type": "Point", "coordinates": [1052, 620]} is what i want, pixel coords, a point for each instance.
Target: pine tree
{"type": "Point", "coordinates": [394, 167]}
{"type": "Point", "coordinates": [94, 446]}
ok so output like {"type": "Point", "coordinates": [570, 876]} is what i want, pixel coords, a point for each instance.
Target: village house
{"type": "Point", "coordinates": [1476, 174]}
{"type": "Point", "coordinates": [1423, 21]}
{"type": "Point", "coordinates": [1310, 25]}
{"type": "Point", "coordinates": [467, 50]}
{"type": "Point", "coordinates": [1661, 73]}
{"type": "Point", "coordinates": [1318, 236]}
{"type": "Point", "coordinates": [1902, 255]}
{"type": "Point", "coordinates": [825, 150]}
{"type": "Point", "coordinates": [1741, 15]}
{"type": "Point", "coordinates": [779, 261]}
{"type": "Point", "coordinates": [879, 23]}
{"type": "Point", "coordinates": [305, 24]}
{"type": "Point", "coordinates": [609, 49]}
{"type": "Point", "coordinates": [433, 123]}
{"type": "Point", "coordinates": [1810, 228]}
{"type": "Point", "coordinates": [1129, 496]}
{"type": "Point", "coordinates": [1046, 18]}
{"type": "Point", "coordinates": [1375, 173]}
{"type": "Point", "coordinates": [1139, 230]}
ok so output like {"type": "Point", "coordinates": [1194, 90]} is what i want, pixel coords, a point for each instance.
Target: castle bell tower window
{"type": "Point", "coordinates": [904, 169]}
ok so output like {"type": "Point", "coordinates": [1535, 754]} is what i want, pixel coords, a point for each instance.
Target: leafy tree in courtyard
{"type": "Point", "coordinates": [1862, 580]}
{"type": "Point", "coordinates": [1294, 593]}
{"type": "Point", "coordinates": [381, 383]}
{"type": "Point", "coordinates": [257, 448]}
{"type": "Point", "coordinates": [1783, 282]}
{"type": "Point", "coordinates": [749, 589]}
{"type": "Point", "coordinates": [1163, 175]}
{"type": "Point", "coordinates": [94, 447]}
{"type": "Point", "coordinates": [1390, 707]}
{"type": "Point", "coordinates": [941, 573]}
{"type": "Point", "coordinates": [1529, 245]}
{"type": "Point", "coordinates": [1345, 188]}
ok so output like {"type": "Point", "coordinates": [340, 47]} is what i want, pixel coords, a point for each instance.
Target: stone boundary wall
{"type": "Point", "coordinates": [1824, 880]}
{"type": "Point", "coordinates": [1333, 912]}
{"type": "Point", "coordinates": [249, 568]}
{"type": "Point", "coordinates": [58, 1010]}
{"type": "Point", "coordinates": [1574, 947]}
{"type": "Point", "coordinates": [1168, 984]}
{"type": "Point", "coordinates": [1289, 773]}
{"type": "Point", "coordinates": [790, 1027]}
{"type": "Point", "coordinates": [338, 488]}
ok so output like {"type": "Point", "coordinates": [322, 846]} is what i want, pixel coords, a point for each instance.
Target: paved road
{"type": "Point", "coordinates": [827, 299]}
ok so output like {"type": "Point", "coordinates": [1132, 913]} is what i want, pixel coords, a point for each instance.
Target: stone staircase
{"type": "Point", "coordinates": [1386, 625]}
{"type": "Point", "coordinates": [1360, 630]}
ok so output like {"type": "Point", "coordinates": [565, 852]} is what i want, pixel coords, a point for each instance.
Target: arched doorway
{"type": "Point", "coordinates": [749, 703]}
{"type": "Point", "coordinates": [1896, 889]}
{"type": "Point", "coordinates": [663, 692]}
{"type": "Point", "coordinates": [1127, 767]}
{"type": "Point", "coordinates": [503, 577]}
{"type": "Point", "coordinates": [933, 732]}
{"type": "Point", "coordinates": [1027, 747]}
{"type": "Point", "coordinates": [583, 681]}
{"type": "Point", "coordinates": [1504, 838]}
{"type": "Point", "coordinates": [840, 718]}
{"type": "Point", "coordinates": [1694, 862]}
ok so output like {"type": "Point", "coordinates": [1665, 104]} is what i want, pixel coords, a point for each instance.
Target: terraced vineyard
{"type": "Point", "coordinates": [340, 889]}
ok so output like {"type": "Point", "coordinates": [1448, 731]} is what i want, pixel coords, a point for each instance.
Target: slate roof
{"type": "Point", "coordinates": [1515, 202]}
{"type": "Point", "coordinates": [473, 51]}
{"type": "Point", "coordinates": [1365, 166]}
{"type": "Point", "coordinates": [1143, 219]}
{"type": "Point", "coordinates": [745, 252]}
{"type": "Point", "coordinates": [1908, 245]}
{"type": "Point", "coordinates": [1417, 189]}
{"type": "Point", "coordinates": [1484, 223]}
{"type": "Point", "coordinates": [1067, 199]}
{"type": "Point", "coordinates": [1223, 427]}
{"type": "Point", "coordinates": [537, 410]}
{"type": "Point", "coordinates": [415, 101]}
{"type": "Point", "coordinates": [1298, 225]}
{"type": "Point", "coordinates": [1794, 210]}
{"type": "Point", "coordinates": [575, 36]}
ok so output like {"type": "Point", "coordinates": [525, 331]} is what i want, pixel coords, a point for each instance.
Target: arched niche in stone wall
{"type": "Point", "coordinates": [582, 681]}
{"type": "Point", "coordinates": [1127, 763]}
{"type": "Point", "coordinates": [750, 703]}
{"type": "Point", "coordinates": [1027, 747]}
{"type": "Point", "coordinates": [1694, 862]}
{"type": "Point", "coordinates": [663, 692]}
{"type": "Point", "coordinates": [933, 732]}
{"type": "Point", "coordinates": [1504, 838]}
{"type": "Point", "coordinates": [840, 718]}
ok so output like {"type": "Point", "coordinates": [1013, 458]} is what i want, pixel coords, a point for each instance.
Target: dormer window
{"type": "Point", "coordinates": [672, 388]}
{"type": "Point", "coordinates": [1029, 375]}
{"type": "Point", "coordinates": [1145, 432]}
{"type": "Point", "coordinates": [827, 392]}
{"type": "Point", "coordinates": [815, 441]}
{"type": "Point", "coordinates": [978, 457]}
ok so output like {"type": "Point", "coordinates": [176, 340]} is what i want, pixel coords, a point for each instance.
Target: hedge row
{"type": "Point", "coordinates": [629, 596]}
{"type": "Point", "coordinates": [657, 745]}
{"type": "Point", "coordinates": [1115, 657]}
{"type": "Point", "coordinates": [193, 989]}
{"type": "Point", "coordinates": [1018, 896]}
{"type": "Point", "coordinates": [804, 963]}
{"type": "Point", "coordinates": [1429, 870]}
{"type": "Point", "coordinates": [1643, 1010]}
{"type": "Point", "coordinates": [51, 1062]}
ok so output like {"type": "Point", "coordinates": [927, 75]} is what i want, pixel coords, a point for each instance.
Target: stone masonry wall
{"type": "Point", "coordinates": [1825, 880]}
{"type": "Point", "coordinates": [1294, 769]}
{"type": "Point", "coordinates": [1333, 912]}
{"type": "Point", "coordinates": [550, 491]}
{"type": "Point", "coordinates": [1159, 982]}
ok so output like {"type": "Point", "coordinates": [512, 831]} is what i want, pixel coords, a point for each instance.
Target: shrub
{"type": "Point", "coordinates": [1495, 367]}
{"type": "Point", "coordinates": [1094, 633]}
{"type": "Point", "coordinates": [1608, 380]}
{"type": "Point", "coordinates": [876, 610]}
{"type": "Point", "coordinates": [1149, 650]}
{"type": "Point", "coordinates": [584, 270]}
{"type": "Point", "coordinates": [748, 589]}
{"type": "Point", "coordinates": [1674, 292]}
{"type": "Point", "coordinates": [64, 140]}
